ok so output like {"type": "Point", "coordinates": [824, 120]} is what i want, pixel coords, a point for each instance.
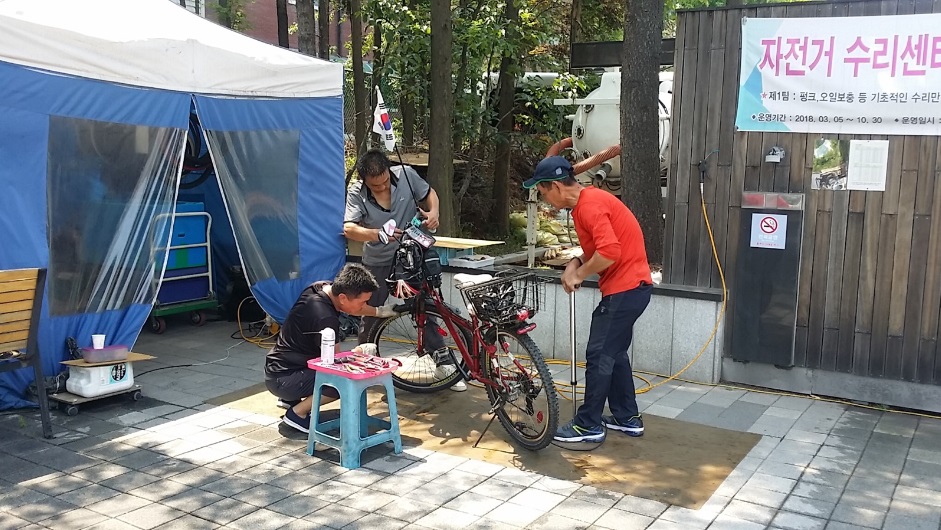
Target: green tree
{"type": "Point", "coordinates": [232, 14]}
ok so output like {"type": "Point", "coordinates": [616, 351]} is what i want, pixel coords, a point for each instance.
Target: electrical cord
{"type": "Point", "coordinates": [263, 338]}
{"type": "Point", "coordinates": [262, 341]}
{"type": "Point", "coordinates": [227, 354]}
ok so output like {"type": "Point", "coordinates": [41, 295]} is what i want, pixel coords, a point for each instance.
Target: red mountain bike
{"type": "Point", "coordinates": [437, 345]}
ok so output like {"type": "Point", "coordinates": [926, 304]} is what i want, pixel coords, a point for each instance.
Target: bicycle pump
{"type": "Point", "coordinates": [573, 379]}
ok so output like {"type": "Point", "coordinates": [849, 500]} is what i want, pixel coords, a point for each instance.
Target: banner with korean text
{"type": "Point", "coordinates": [856, 75]}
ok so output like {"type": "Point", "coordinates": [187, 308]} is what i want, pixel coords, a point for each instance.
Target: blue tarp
{"type": "Point", "coordinates": [31, 100]}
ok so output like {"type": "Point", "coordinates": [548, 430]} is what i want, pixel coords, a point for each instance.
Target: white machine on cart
{"type": "Point", "coordinates": [596, 128]}
{"type": "Point", "coordinates": [596, 138]}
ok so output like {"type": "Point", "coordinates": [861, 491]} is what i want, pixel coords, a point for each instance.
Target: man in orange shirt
{"type": "Point", "coordinates": [613, 247]}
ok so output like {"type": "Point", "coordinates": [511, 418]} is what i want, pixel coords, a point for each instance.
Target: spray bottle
{"type": "Point", "coordinates": [327, 345]}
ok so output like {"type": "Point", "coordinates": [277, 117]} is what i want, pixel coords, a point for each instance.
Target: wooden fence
{"type": "Point", "coordinates": [870, 277]}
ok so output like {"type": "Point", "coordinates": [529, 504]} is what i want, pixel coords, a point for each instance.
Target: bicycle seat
{"type": "Point", "coordinates": [465, 280]}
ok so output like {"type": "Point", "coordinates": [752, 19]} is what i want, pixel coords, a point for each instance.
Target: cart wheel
{"type": "Point", "coordinates": [136, 396]}
{"type": "Point", "coordinates": [198, 318]}
{"type": "Point", "coordinates": [71, 410]}
{"type": "Point", "coordinates": [158, 325]}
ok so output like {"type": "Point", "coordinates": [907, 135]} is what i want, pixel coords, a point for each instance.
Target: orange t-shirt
{"type": "Point", "coordinates": [606, 226]}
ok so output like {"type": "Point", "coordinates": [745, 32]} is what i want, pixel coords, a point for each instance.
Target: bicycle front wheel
{"type": "Point", "coordinates": [421, 371]}
{"type": "Point", "coordinates": [525, 400]}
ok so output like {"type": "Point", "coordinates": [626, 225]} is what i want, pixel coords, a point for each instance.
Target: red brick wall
{"type": "Point", "coordinates": [262, 15]}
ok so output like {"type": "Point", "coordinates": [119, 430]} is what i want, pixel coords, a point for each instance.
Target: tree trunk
{"type": "Point", "coordinates": [575, 17]}
{"type": "Point", "coordinates": [501, 164]}
{"type": "Point", "coordinates": [305, 27]}
{"type": "Point", "coordinates": [281, 6]}
{"type": "Point", "coordinates": [461, 77]}
{"type": "Point", "coordinates": [640, 126]}
{"type": "Point", "coordinates": [359, 78]}
{"type": "Point", "coordinates": [440, 156]}
{"type": "Point", "coordinates": [323, 24]}
{"type": "Point", "coordinates": [407, 107]}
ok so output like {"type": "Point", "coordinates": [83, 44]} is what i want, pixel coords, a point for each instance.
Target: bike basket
{"type": "Point", "coordinates": [503, 299]}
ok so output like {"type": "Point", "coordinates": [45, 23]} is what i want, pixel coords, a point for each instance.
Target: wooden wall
{"type": "Point", "coordinates": [870, 278]}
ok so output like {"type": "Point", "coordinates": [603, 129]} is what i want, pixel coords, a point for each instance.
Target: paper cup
{"type": "Point", "coordinates": [98, 341]}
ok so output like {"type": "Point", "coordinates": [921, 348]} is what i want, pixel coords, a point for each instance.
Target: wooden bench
{"type": "Point", "coordinates": [21, 293]}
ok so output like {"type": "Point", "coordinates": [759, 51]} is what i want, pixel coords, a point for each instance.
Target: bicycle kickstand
{"type": "Point", "coordinates": [493, 416]}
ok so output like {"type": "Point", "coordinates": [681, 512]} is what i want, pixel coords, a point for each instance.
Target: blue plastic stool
{"type": "Point", "coordinates": [354, 420]}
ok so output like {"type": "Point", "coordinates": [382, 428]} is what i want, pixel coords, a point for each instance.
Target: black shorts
{"type": "Point", "coordinates": [295, 386]}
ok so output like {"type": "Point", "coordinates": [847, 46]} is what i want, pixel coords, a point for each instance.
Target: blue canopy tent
{"type": "Point", "coordinates": [95, 105]}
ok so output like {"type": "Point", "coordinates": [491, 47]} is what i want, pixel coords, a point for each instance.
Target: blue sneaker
{"type": "Point", "coordinates": [632, 427]}
{"type": "Point", "coordinates": [292, 419]}
{"type": "Point", "coordinates": [570, 432]}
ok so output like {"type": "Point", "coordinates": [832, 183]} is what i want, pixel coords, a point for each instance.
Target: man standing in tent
{"type": "Point", "coordinates": [318, 308]}
{"type": "Point", "coordinates": [613, 247]}
{"type": "Point", "coordinates": [385, 192]}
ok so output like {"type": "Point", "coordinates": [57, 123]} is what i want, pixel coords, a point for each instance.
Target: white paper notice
{"type": "Point", "coordinates": [768, 230]}
{"type": "Point", "coordinates": [868, 164]}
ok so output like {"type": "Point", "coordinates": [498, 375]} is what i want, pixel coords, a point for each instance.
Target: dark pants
{"type": "Point", "coordinates": [608, 373]}
{"type": "Point", "coordinates": [378, 298]}
{"type": "Point", "coordinates": [431, 339]}
{"type": "Point", "coordinates": [295, 386]}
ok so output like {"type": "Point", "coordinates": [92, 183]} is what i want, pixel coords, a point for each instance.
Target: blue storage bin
{"type": "Point", "coordinates": [187, 257]}
{"type": "Point", "coordinates": [175, 291]}
{"type": "Point", "coordinates": [190, 230]}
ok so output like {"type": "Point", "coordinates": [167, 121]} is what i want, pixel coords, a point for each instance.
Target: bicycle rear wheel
{"type": "Point", "coordinates": [397, 337]}
{"type": "Point", "coordinates": [526, 402]}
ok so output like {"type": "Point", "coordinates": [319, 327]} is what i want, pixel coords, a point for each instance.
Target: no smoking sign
{"type": "Point", "coordinates": [768, 230]}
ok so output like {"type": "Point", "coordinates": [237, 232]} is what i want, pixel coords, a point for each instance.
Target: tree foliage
{"type": "Point", "coordinates": [483, 36]}
{"type": "Point", "coordinates": [232, 14]}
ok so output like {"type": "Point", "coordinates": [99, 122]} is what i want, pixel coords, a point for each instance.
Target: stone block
{"type": "Point", "coordinates": [693, 324]}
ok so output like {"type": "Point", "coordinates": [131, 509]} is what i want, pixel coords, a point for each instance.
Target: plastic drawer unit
{"type": "Point", "coordinates": [186, 286]}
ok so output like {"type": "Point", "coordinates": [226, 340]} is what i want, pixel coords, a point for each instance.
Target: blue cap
{"type": "Point", "coordinates": [550, 168]}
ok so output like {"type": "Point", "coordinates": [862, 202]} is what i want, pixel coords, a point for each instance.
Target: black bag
{"type": "Point", "coordinates": [407, 265]}
{"type": "Point", "coordinates": [54, 385]}
{"type": "Point", "coordinates": [432, 267]}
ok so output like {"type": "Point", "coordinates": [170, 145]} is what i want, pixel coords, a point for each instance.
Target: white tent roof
{"type": "Point", "coordinates": [157, 44]}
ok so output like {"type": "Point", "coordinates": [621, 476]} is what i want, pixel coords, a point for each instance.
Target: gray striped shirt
{"type": "Point", "coordinates": [362, 209]}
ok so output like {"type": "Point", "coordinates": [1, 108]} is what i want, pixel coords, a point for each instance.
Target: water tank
{"type": "Point", "coordinates": [596, 123]}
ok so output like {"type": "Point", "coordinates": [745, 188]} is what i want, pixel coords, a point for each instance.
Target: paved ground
{"type": "Point", "coordinates": [170, 461]}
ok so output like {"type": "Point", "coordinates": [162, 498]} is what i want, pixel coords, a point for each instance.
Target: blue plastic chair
{"type": "Point", "coordinates": [354, 420]}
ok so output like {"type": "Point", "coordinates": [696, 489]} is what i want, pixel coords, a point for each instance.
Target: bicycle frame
{"type": "Point", "coordinates": [471, 353]}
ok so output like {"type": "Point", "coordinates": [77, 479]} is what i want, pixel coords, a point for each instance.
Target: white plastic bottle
{"type": "Point", "coordinates": [327, 345]}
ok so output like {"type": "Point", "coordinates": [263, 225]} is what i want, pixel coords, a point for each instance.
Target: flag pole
{"type": "Point", "coordinates": [388, 137]}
